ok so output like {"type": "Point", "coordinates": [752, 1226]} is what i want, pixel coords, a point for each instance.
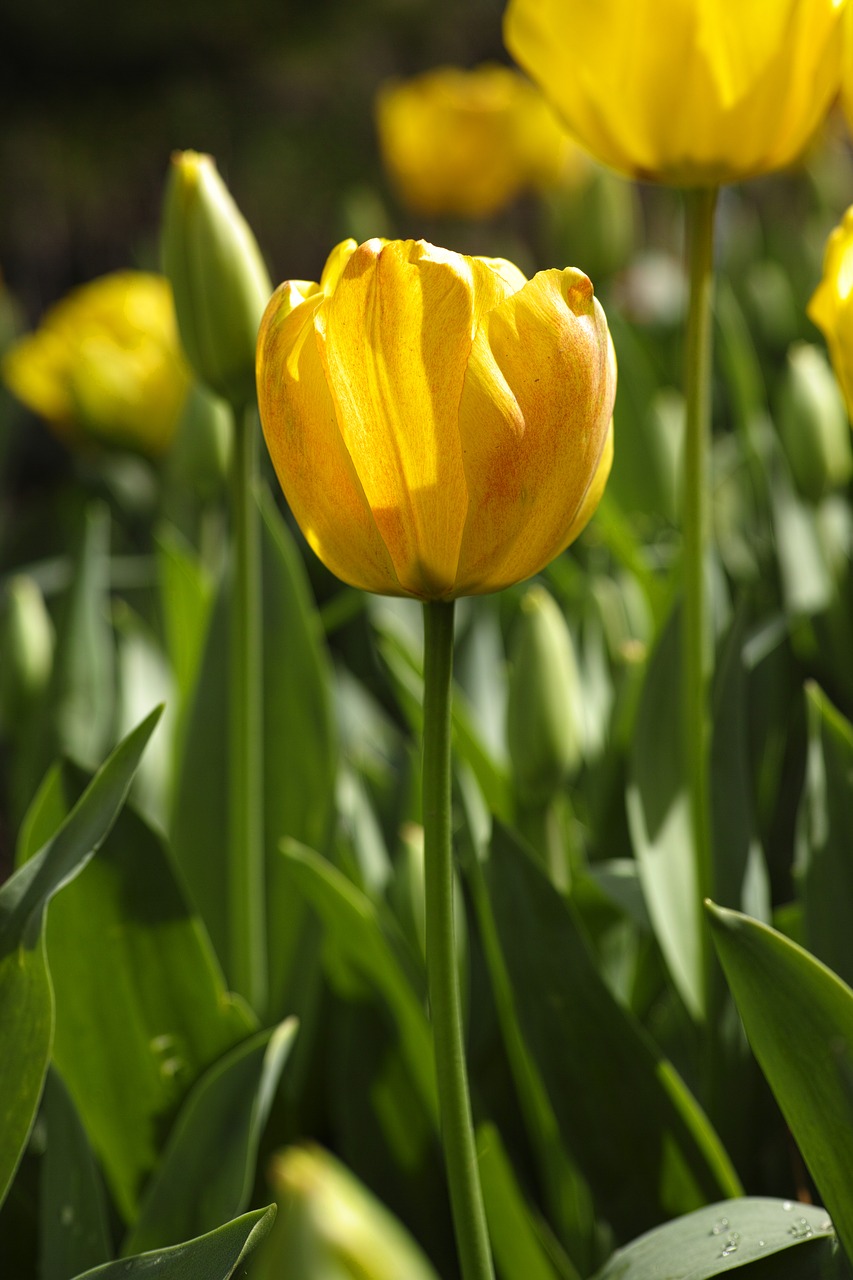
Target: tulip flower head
{"type": "Point", "coordinates": [692, 92]}
{"type": "Point", "coordinates": [106, 363]}
{"type": "Point", "coordinates": [441, 426]}
{"type": "Point", "coordinates": [831, 305]}
{"type": "Point", "coordinates": [467, 143]}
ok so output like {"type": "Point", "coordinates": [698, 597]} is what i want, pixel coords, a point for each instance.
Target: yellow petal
{"type": "Point", "coordinates": [594, 493]}
{"type": "Point", "coordinates": [395, 339]}
{"type": "Point", "coordinates": [680, 91]}
{"type": "Point", "coordinates": [312, 464]}
{"type": "Point", "coordinates": [534, 417]}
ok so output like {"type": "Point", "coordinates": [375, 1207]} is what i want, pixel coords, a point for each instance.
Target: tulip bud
{"type": "Point", "coordinates": [331, 1228]}
{"type": "Point", "coordinates": [220, 283]}
{"type": "Point", "coordinates": [26, 648]}
{"type": "Point", "coordinates": [544, 729]}
{"type": "Point", "coordinates": [813, 424]}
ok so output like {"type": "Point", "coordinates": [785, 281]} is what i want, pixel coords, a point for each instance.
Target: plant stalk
{"type": "Point", "coordinates": [696, 523]}
{"type": "Point", "coordinates": [457, 1130]}
{"type": "Point", "coordinates": [246, 891]}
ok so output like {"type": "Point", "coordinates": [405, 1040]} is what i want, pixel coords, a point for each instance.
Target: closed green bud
{"type": "Point", "coordinates": [218, 277]}
{"type": "Point", "coordinates": [330, 1227]}
{"type": "Point", "coordinates": [26, 648]}
{"type": "Point", "coordinates": [813, 424]}
{"type": "Point", "coordinates": [544, 730]}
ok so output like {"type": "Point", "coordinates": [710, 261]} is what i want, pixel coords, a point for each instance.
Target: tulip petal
{"type": "Point", "coordinates": [311, 461]}
{"type": "Point", "coordinates": [395, 340]}
{"type": "Point", "coordinates": [534, 417]}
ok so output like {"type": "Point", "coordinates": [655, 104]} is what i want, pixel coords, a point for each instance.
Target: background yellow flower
{"type": "Point", "coordinates": [105, 363]}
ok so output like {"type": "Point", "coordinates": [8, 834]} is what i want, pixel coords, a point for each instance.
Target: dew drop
{"type": "Point", "coordinates": [719, 1227]}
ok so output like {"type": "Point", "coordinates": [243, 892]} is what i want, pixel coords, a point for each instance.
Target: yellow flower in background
{"type": "Point", "coordinates": [831, 305]}
{"type": "Point", "coordinates": [693, 92]}
{"type": "Point", "coordinates": [440, 425]}
{"type": "Point", "coordinates": [105, 362]}
{"type": "Point", "coordinates": [466, 143]}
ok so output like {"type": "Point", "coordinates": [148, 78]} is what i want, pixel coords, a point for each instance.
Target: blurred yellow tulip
{"type": "Point", "coordinates": [831, 305]}
{"type": "Point", "coordinates": [440, 425]}
{"type": "Point", "coordinates": [330, 1227]}
{"type": "Point", "coordinates": [693, 92]}
{"type": "Point", "coordinates": [467, 143]}
{"type": "Point", "coordinates": [105, 363]}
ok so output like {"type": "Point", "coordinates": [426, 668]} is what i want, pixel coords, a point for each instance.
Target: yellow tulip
{"type": "Point", "coordinates": [831, 305]}
{"type": "Point", "coordinates": [467, 143]}
{"type": "Point", "coordinates": [106, 363]}
{"type": "Point", "coordinates": [693, 92]}
{"type": "Point", "coordinates": [440, 425]}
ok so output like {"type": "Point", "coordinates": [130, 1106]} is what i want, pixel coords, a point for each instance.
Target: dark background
{"type": "Point", "coordinates": [94, 96]}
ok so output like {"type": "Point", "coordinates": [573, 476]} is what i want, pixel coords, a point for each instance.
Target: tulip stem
{"type": "Point", "coordinates": [457, 1130]}
{"type": "Point", "coordinates": [698, 640]}
{"type": "Point", "coordinates": [246, 898]}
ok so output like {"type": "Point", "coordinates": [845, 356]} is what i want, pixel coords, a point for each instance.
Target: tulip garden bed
{"type": "Point", "coordinates": [426, 759]}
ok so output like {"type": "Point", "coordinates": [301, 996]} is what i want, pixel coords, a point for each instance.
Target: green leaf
{"type": "Point", "coordinates": [207, 1170]}
{"type": "Point", "coordinates": [799, 1019]}
{"type": "Point", "coordinates": [142, 1012]}
{"type": "Point", "coordinates": [639, 1136]}
{"type": "Point", "coordinates": [81, 695]}
{"type": "Point", "coordinates": [658, 807]}
{"type": "Point", "coordinates": [26, 1000]}
{"type": "Point", "coordinates": [824, 865]}
{"type": "Point", "coordinates": [300, 745]}
{"type": "Point", "coordinates": [73, 1218]}
{"type": "Point", "coordinates": [359, 942]}
{"type": "Point", "coordinates": [516, 1243]}
{"type": "Point", "coordinates": [732, 1235]}
{"type": "Point", "coordinates": [300, 752]}
{"type": "Point", "coordinates": [187, 598]}
{"type": "Point", "coordinates": [215, 1256]}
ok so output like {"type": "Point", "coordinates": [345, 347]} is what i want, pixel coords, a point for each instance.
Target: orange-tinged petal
{"type": "Point", "coordinates": [594, 493]}
{"type": "Point", "coordinates": [534, 417]}
{"type": "Point", "coordinates": [310, 458]}
{"type": "Point", "coordinates": [395, 340]}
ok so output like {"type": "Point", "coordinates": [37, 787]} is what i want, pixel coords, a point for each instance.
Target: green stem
{"type": "Point", "coordinates": [246, 897]}
{"type": "Point", "coordinates": [457, 1130]}
{"type": "Point", "coordinates": [698, 638]}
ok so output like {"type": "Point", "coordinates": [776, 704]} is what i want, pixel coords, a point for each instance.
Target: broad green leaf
{"type": "Point", "coordinates": [216, 1256]}
{"type": "Point", "coordinates": [73, 1218]}
{"type": "Point", "coordinates": [740, 876]}
{"type": "Point", "coordinates": [140, 1014]}
{"type": "Point", "coordinates": [358, 941]}
{"type": "Point", "coordinates": [207, 1170]}
{"type": "Point", "coordinates": [659, 818]}
{"type": "Point", "coordinates": [567, 1195]}
{"type": "Point", "coordinates": [300, 744]}
{"type": "Point", "coordinates": [742, 1235]}
{"type": "Point", "coordinates": [144, 681]}
{"type": "Point", "coordinates": [299, 757]}
{"type": "Point", "coordinates": [824, 864]}
{"type": "Point", "coordinates": [799, 1019]}
{"type": "Point", "coordinates": [518, 1249]}
{"type": "Point", "coordinates": [638, 1135]}
{"type": "Point", "coordinates": [26, 999]}
{"type": "Point", "coordinates": [199, 821]}
{"type": "Point", "coordinates": [81, 693]}
{"type": "Point", "coordinates": [186, 594]}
